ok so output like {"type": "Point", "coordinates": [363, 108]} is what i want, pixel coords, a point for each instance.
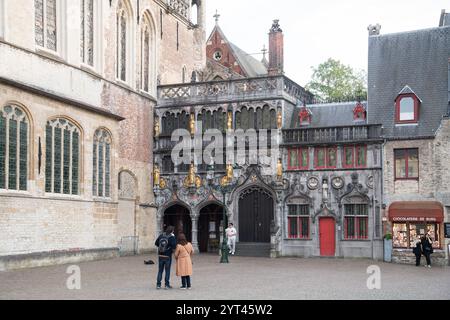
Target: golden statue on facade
{"type": "Point", "coordinates": [192, 123]}
{"type": "Point", "coordinates": [228, 177]}
{"type": "Point", "coordinates": [157, 129]}
{"type": "Point", "coordinates": [279, 169]}
{"type": "Point", "coordinates": [162, 183]}
{"type": "Point", "coordinates": [198, 182]}
{"type": "Point", "coordinates": [230, 120]}
{"type": "Point", "coordinates": [279, 119]}
{"type": "Point", "coordinates": [156, 175]}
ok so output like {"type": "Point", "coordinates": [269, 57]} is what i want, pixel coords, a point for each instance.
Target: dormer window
{"type": "Point", "coordinates": [407, 107]}
{"type": "Point", "coordinates": [304, 116]}
{"type": "Point", "coordinates": [359, 113]}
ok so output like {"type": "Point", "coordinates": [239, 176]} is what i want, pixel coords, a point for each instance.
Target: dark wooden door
{"type": "Point", "coordinates": [255, 215]}
{"type": "Point", "coordinates": [327, 237]}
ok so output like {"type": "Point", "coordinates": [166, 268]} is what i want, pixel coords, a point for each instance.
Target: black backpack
{"type": "Point", "coordinates": [163, 244]}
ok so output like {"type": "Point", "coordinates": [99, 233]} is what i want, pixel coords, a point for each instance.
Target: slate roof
{"type": "Point", "coordinates": [329, 115]}
{"type": "Point", "coordinates": [251, 66]}
{"type": "Point", "coordinates": [419, 60]}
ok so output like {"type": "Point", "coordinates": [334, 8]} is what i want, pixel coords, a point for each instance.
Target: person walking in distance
{"type": "Point", "coordinates": [231, 235]}
{"type": "Point", "coordinates": [166, 243]}
{"type": "Point", "coordinates": [183, 254]}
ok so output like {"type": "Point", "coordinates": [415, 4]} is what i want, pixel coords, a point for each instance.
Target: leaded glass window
{"type": "Point", "coordinates": [101, 184]}
{"type": "Point", "coordinates": [87, 32]}
{"type": "Point", "coordinates": [13, 148]}
{"type": "Point", "coordinates": [356, 221]}
{"type": "Point", "coordinates": [145, 56]}
{"type": "Point", "coordinates": [122, 40]}
{"type": "Point", "coordinates": [62, 152]}
{"type": "Point", "coordinates": [45, 22]}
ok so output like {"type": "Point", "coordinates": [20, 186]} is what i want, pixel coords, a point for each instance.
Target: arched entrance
{"type": "Point", "coordinates": [126, 215]}
{"type": "Point", "coordinates": [209, 228]}
{"type": "Point", "coordinates": [179, 217]}
{"type": "Point", "coordinates": [255, 215]}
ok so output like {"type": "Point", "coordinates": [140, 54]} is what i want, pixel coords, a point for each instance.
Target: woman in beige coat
{"type": "Point", "coordinates": [183, 254]}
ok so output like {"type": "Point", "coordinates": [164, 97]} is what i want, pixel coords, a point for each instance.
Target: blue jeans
{"type": "Point", "coordinates": [164, 265]}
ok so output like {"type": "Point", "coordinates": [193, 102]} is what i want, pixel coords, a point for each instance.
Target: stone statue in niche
{"type": "Point", "coordinates": [279, 170]}
{"type": "Point", "coordinates": [279, 120]}
{"type": "Point", "coordinates": [157, 128]}
{"type": "Point", "coordinates": [230, 120]}
{"type": "Point", "coordinates": [156, 175]}
{"type": "Point", "coordinates": [192, 123]}
{"type": "Point", "coordinates": [325, 188]}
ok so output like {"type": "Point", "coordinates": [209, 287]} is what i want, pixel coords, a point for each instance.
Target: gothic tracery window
{"type": "Point", "coordinates": [46, 24]}
{"type": "Point", "coordinates": [87, 32]}
{"type": "Point", "coordinates": [62, 157]}
{"type": "Point", "coordinates": [14, 127]}
{"type": "Point", "coordinates": [101, 164]}
{"type": "Point", "coordinates": [123, 42]}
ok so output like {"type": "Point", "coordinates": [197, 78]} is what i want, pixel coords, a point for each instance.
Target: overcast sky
{"type": "Point", "coordinates": [317, 30]}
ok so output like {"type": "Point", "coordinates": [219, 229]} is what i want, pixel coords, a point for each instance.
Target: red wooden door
{"type": "Point", "coordinates": [327, 237]}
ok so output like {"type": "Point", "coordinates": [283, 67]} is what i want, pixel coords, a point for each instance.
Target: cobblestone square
{"type": "Point", "coordinates": [243, 278]}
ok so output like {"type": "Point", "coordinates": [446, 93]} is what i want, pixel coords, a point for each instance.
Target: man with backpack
{"type": "Point", "coordinates": [166, 243]}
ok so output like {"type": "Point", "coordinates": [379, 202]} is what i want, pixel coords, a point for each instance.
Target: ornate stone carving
{"type": "Point", "coordinates": [337, 183]}
{"type": "Point", "coordinates": [313, 183]}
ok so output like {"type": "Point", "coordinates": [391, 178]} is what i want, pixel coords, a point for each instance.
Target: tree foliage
{"type": "Point", "coordinates": [334, 81]}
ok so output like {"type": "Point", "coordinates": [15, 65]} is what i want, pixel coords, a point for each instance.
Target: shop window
{"type": "Point", "coordinates": [405, 234]}
{"type": "Point", "coordinates": [298, 159]}
{"type": "Point", "coordinates": [356, 220]}
{"type": "Point", "coordinates": [298, 221]}
{"type": "Point", "coordinates": [406, 163]}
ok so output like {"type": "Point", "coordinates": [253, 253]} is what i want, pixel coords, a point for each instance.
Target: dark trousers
{"type": "Point", "coordinates": [427, 256]}
{"type": "Point", "coordinates": [164, 265]}
{"type": "Point", "coordinates": [186, 282]}
{"type": "Point", "coordinates": [418, 256]}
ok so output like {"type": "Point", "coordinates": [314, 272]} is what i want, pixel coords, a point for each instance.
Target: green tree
{"type": "Point", "coordinates": [334, 81]}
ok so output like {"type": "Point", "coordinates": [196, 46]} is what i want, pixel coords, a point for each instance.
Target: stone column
{"type": "Point", "coordinates": [159, 223]}
{"type": "Point", "coordinates": [194, 219]}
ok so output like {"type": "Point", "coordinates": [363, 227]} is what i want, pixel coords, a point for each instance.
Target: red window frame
{"type": "Point", "coordinates": [359, 113]}
{"type": "Point", "coordinates": [299, 158]}
{"type": "Point", "coordinates": [356, 154]}
{"type": "Point", "coordinates": [397, 108]}
{"type": "Point", "coordinates": [327, 158]}
{"type": "Point", "coordinates": [406, 154]}
{"type": "Point", "coordinates": [344, 158]}
{"type": "Point", "coordinates": [300, 220]}
{"type": "Point", "coordinates": [358, 235]}
{"type": "Point", "coordinates": [304, 117]}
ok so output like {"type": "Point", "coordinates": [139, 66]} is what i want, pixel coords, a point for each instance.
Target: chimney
{"type": "Point", "coordinates": [374, 30]}
{"type": "Point", "coordinates": [276, 49]}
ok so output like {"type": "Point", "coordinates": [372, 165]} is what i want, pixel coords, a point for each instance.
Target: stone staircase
{"type": "Point", "coordinates": [251, 249]}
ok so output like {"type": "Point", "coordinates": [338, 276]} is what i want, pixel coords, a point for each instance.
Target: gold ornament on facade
{"type": "Point", "coordinates": [156, 175]}
{"type": "Point", "coordinates": [198, 182]}
{"type": "Point", "coordinates": [230, 121]}
{"type": "Point", "coordinates": [228, 177]}
{"type": "Point", "coordinates": [157, 129]}
{"type": "Point", "coordinates": [162, 183]}
{"type": "Point", "coordinates": [192, 124]}
{"type": "Point", "coordinates": [279, 120]}
{"type": "Point", "coordinates": [279, 169]}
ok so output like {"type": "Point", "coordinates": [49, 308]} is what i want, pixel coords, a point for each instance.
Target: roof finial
{"type": "Point", "coordinates": [217, 16]}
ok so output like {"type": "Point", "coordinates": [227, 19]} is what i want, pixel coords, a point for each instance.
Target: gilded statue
{"type": "Point", "coordinates": [279, 169]}
{"type": "Point", "coordinates": [228, 177]}
{"type": "Point", "coordinates": [192, 124]}
{"type": "Point", "coordinates": [156, 175]}
{"type": "Point", "coordinates": [279, 120]}
{"type": "Point", "coordinates": [157, 129]}
{"type": "Point", "coordinates": [230, 121]}
{"type": "Point", "coordinates": [198, 182]}
{"type": "Point", "coordinates": [162, 183]}
{"type": "Point", "coordinates": [190, 179]}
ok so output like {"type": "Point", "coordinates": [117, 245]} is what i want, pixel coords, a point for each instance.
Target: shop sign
{"type": "Point", "coordinates": [415, 219]}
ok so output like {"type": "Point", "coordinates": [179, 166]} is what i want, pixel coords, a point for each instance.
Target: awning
{"type": "Point", "coordinates": [416, 211]}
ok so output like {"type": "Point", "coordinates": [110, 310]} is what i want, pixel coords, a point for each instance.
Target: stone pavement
{"type": "Point", "coordinates": [242, 278]}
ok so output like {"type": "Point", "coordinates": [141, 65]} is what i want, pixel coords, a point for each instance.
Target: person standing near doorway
{"type": "Point", "coordinates": [166, 243]}
{"type": "Point", "coordinates": [427, 247]}
{"type": "Point", "coordinates": [417, 250]}
{"type": "Point", "coordinates": [231, 235]}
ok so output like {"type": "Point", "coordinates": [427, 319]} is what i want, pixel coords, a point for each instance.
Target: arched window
{"type": "Point", "coordinates": [14, 127]}
{"type": "Point", "coordinates": [194, 12]}
{"type": "Point", "coordinates": [124, 41]}
{"type": "Point", "coordinates": [148, 53]}
{"type": "Point", "coordinates": [87, 32]}
{"type": "Point", "coordinates": [45, 22]}
{"type": "Point", "coordinates": [62, 157]}
{"type": "Point", "coordinates": [101, 164]}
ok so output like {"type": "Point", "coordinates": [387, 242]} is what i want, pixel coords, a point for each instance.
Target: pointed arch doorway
{"type": "Point", "coordinates": [209, 228]}
{"type": "Point", "coordinates": [256, 212]}
{"type": "Point", "coordinates": [179, 217]}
